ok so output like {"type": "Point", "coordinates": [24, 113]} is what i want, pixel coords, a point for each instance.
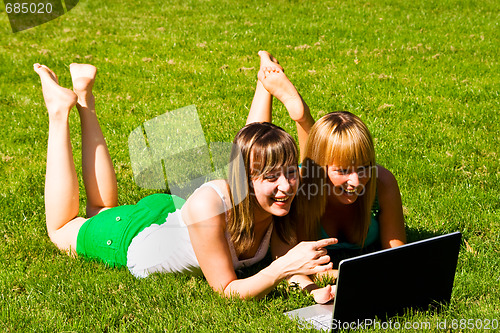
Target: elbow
{"type": "Point", "coordinates": [228, 291]}
{"type": "Point", "coordinates": [231, 292]}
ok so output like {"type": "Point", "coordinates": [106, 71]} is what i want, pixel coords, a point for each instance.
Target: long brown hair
{"type": "Point", "coordinates": [341, 138]}
{"type": "Point", "coordinates": [258, 148]}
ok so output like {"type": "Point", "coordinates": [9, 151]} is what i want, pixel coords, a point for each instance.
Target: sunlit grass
{"type": "Point", "coordinates": [423, 75]}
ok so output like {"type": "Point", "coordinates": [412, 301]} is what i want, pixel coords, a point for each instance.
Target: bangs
{"type": "Point", "coordinates": [350, 147]}
{"type": "Point", "coordinates": [272, 151]}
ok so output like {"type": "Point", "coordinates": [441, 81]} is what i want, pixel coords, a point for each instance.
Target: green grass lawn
{"type": "Point", "coordinates": [423, 75]}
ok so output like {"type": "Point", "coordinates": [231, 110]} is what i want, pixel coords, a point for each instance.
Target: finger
{"type": "Point", "coordinates": [331, 291]}
{"type": "Point", "coordinates": [323, 295]}
{"type": "Point", "coordinates": [324, 268]}
{"type": "Point", "coordinates": [324, 259]}
{"type": "Point", "coordinates": [319, 253]}
{"type": "Point", "coordinates": [316, 267]}
{"type": "Point", "coordinates": [326, 242]}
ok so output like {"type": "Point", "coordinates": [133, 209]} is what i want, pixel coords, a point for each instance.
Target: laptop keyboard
{"type": "Point", "coordinates": [321, 322]}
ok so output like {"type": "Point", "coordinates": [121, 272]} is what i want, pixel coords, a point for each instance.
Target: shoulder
{"type": "Point", "coordinates": [391, 219]}
{"type": "Point", "coordinates": [206, 204]}
{"type": "Point", "coordinates": [387, 187]}
{"type": "Point", "coordinates": [385, 179]}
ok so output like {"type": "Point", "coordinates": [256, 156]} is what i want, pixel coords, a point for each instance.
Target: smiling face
{"type": "Point", "coordinates": [270, 181]}
{"type": "Point", "coordinates": [342, 144]}
{"type": "Point", "coordinates": [338, 168]}
{"type": "Point", "coordinates": [348, 182]}
{"type": "Point", "coordinates": [274, 190]}
{"type": "Point", "coordinates": [262, 179]}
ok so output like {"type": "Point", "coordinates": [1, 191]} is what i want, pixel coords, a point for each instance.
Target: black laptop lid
{"type": "Point", "coordinates": [382, 284]}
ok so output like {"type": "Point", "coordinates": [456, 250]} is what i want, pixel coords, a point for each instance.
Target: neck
{"type": "Point", "coordinates": [334, 204]}
{"type": "Point", "coordinates": [337, 211]}
{"type": "Point", "coordinates": [262, 218]}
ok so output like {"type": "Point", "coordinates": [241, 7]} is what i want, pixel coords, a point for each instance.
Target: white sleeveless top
{"type": "Point", "coordinates": [167, 247]}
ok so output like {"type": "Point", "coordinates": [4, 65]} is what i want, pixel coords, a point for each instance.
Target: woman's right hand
{"type": "Point", "coordinates": [324, 295]}
{"type": "Point", "coordinates": [307, 258]}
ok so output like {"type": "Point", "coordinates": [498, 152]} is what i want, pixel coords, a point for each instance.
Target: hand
{"type": "Point", "coordinates": [307, 258]}
{"type": "Point", "coordinates": [324, 295]}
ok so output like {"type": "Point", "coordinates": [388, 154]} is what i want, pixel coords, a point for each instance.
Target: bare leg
{"type": "Point", "coordinates": [61, 183]}
{"type": "Point", "coordinates": [262, 103]}
{"type": "Point", "coordinates": [277, 84]}
{"type": "Point", "coordinates": [98, 172]}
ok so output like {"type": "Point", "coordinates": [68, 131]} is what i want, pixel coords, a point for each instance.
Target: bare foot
{"type": "Point", "coordinates": [83, 77]}
{"type": "Point", "coordinates": [58, 100]}
{"type": "Point", "coordinates": [268, 62]}
{"type": "Point", "coordinates": [277, 84]}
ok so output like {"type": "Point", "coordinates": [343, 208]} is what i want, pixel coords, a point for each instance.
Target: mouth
{"type": "Point", "coordinates": [350, 191]}
{"type": "Point", "coordinates": [281, 199]}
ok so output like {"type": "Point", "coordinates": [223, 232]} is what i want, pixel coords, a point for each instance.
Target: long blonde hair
{"type": "Point", "coordinates": [258, 149]}
{"type": "Point", "coordinates": [339, 137]}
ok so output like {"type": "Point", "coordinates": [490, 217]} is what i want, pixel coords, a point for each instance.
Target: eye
{"type": "Point", "coordinates": [271, 177]}
{"type": "Point", "coordinates": [363, 171]}
{"type": "Point", "coordinates": [292, 173]}
{"type": "Point", "coordinates": [342, 171]}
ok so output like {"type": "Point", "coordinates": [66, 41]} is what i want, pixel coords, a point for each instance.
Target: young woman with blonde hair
{"type": "Point", "coordinates": [343, 193]}
{"type": "Point", "coordinates": [217, 230]}
{"type": "Point", "coordinates": [346, 194]}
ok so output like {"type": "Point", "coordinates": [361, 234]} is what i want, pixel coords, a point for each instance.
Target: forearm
{"type": "Point", "coordinates": [305, 258]}
{"type": "Point", "coordinates": [258, 285]}
{"type": "Point", "coordinates": [303, 281]}
{"type": "Point", "coordinates": [321, 295]}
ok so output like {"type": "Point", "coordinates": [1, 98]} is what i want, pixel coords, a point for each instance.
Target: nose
{"type": "Point", "coordinates": [353, 179]}
{"type": "Point", "coordinates": [284, 184]}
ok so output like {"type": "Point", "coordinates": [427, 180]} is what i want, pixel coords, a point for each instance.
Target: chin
{"type": "Point", "coordinates": [278, 211]}
{"type": "Point", "coordinates": [347, 200]}
{"type": "Point", "coordinates": [281, 213]}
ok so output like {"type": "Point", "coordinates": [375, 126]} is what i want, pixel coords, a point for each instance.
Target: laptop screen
{"type": "Point", "coordinates": [382, 284]}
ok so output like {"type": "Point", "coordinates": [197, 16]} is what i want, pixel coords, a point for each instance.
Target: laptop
{"type": "Point", "coordinates": [379, 285]}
